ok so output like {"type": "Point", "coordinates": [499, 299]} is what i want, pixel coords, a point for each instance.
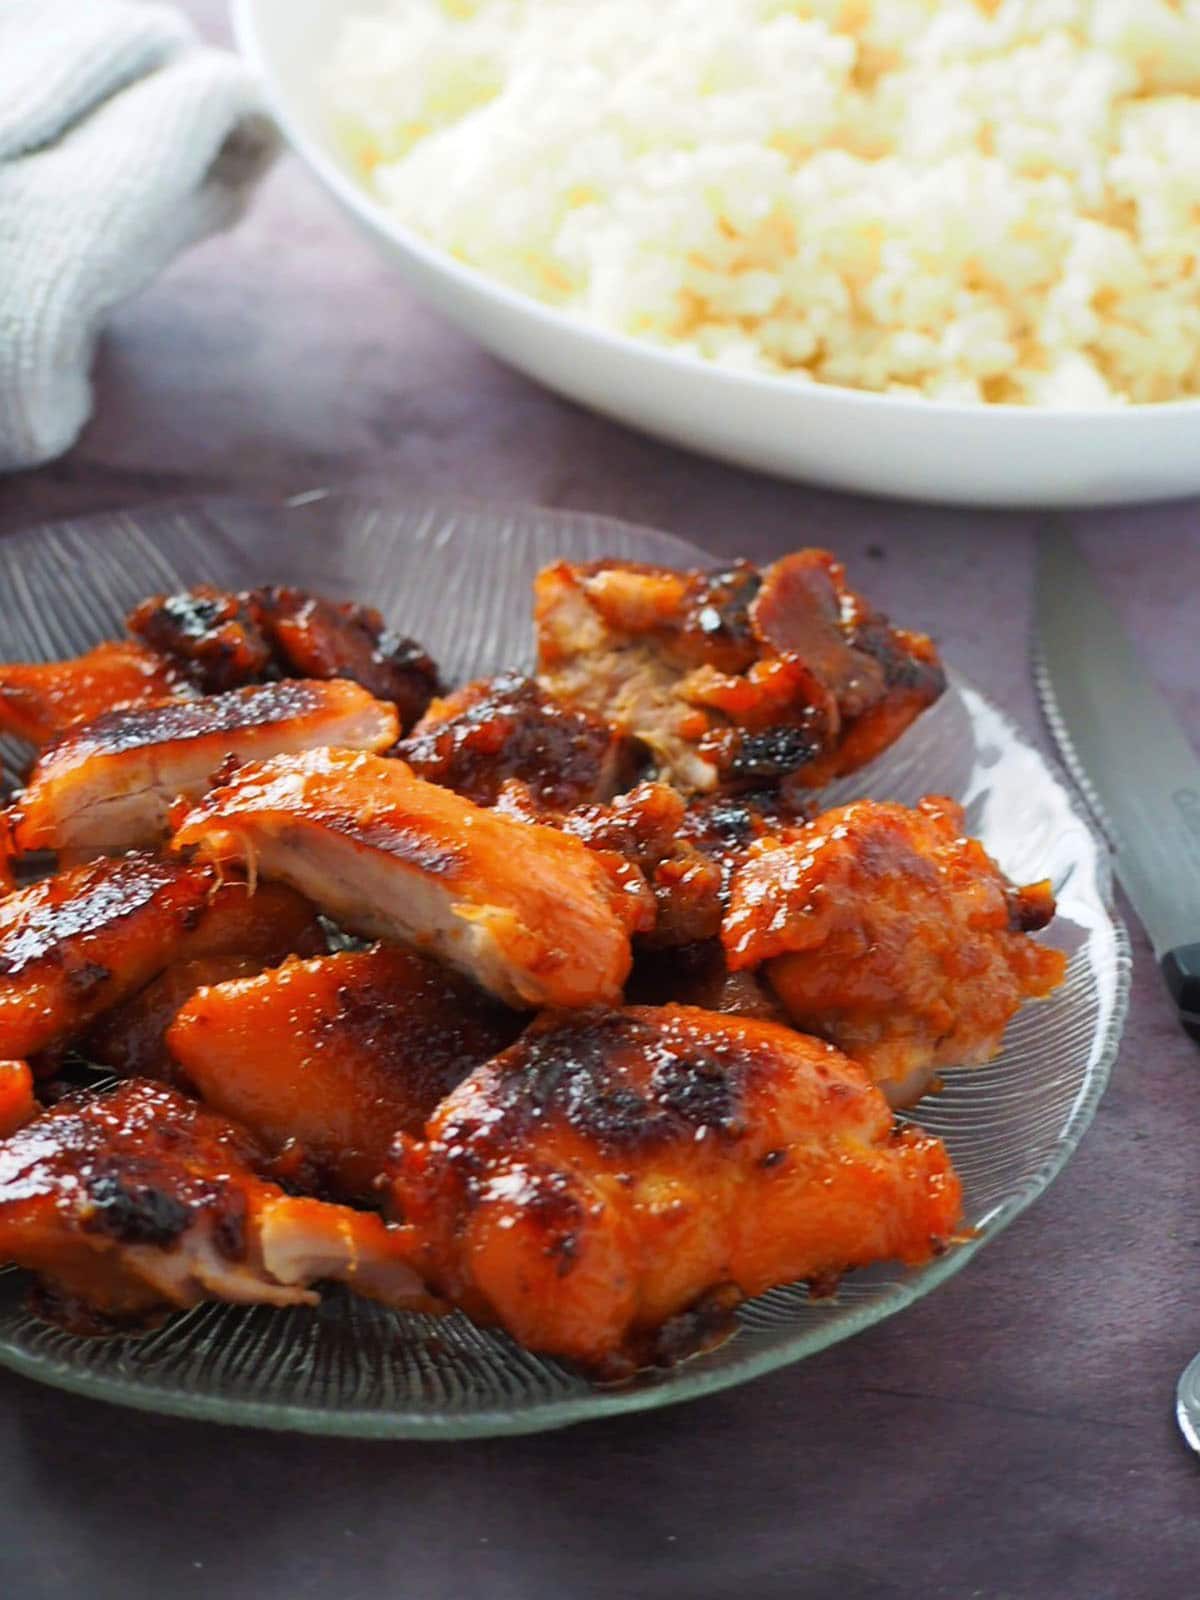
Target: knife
{"type": "Point", "coordinates": [1128, 755]}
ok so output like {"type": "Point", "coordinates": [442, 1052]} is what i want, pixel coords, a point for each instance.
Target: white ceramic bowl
{"type": "Point", "coordinates": [875, 444]}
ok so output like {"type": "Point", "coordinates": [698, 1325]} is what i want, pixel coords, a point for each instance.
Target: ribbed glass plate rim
{"type": "Point", "coordinates": [688, 1381]}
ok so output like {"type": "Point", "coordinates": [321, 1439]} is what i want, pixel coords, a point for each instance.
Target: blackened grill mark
{"type": "Point", "coordinates": [212, 637]}
{"type": "Point", "coordinates": [194, 615]}
{"type": "Point", "coordinates": [402, 841]}
{"type": "Point", "coordinates": [515, 730]}
{"type": "Point", "coordinates": [901, 670]}
{"type": "Point", "coordinates": [407, 655]}
{"type": "Point", "coordinates": [701, 1327]}
{"type": "Point", "coordinates": [572, 1068]}
{"type": "Point", "coordinates": [730, 822]}
{"type": "Point", "coordinates": [239, 710]}
{"type": "Point", "coordinates": [229, 1229]}
{"type": "Point", "coordinates": [719, 607]}
{"type": "Point", "coordinates": [772, 754]}
{"type": "Point", "coordinates": [703, 1090]}
{"type": "Point", "coordinates": [105, 894]}
{"type": "Point", "coordinates": [135, 1213]}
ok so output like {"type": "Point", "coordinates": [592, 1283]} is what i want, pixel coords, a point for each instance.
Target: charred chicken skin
{"type": "Point", "coordinates": [532, 915]}
{"type": "Point", "coordinates": [40, 701]}
{"type": "Point", "coordinates": [734, 679]}
{"type": "Point", "coordinates": [507, 728]}
{"type": "Point", "coordinates": [214, 639]}
{"type": "Point", "coordinates": [602, 1186]}
{"type": "Point", "coordinates": [226, 641]}
{"type": "Point", "coordinates": [315, 638]}
{"type": "Point", "coordinates": [132, 1202]}
{"type": "Point", "coordinates": [76, 945]}
{"type": "Point", "coordinates": [108, 785]}
{"type": "Point", "coordinates": [329, 1058]}
{"type": "Point", "coordinates": [890, 933]}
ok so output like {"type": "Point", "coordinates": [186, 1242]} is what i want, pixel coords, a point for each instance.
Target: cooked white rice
{"type": "Point", "coordinates": [974, 200]}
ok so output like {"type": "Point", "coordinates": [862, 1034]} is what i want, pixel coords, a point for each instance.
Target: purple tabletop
{"type": "Point", "coordinates": [1009, 1436]}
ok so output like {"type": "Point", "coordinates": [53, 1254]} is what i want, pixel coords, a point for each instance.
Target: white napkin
{"type": "Point", "coordinates": [122, 141]}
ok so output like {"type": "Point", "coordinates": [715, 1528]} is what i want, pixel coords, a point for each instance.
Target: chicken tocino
{"type": "Point", "coordinates": [507, 728]}
{"type": "Point", "coordinates": [617, 1180]}
{"type": "Point", "coordinates": [40, 701]}
{"type": "Point", "coordinates": [532, 915]}
{"type": "Point", "coordinates": [138, 1200]}
{"type": "Point", "coordinates": [213, 639]}
{"type": "Point", "coordinates": [108, 786]}
{"type": "Point", "coordinates": [329, 1058]}
{"type": "Point", "coordinates": [316, 638]}
{"type": "Point", "coordinates": [131, 1039]}
{"type": "Point", "coordinates": [890, 933]}
{"type": "Point", "coordinates": [734, 679]}
{"type": "Point", "coordinates": [224, 641]}
{"type": "Point", "coordinates": [77, 944]}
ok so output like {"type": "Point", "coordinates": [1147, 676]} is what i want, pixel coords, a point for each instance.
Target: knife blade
{"type": "Point", "coordinates": [1127, 753]}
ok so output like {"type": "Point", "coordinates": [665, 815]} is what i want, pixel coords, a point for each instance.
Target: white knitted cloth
{"type": "Point", "coordinates": [122, 141]}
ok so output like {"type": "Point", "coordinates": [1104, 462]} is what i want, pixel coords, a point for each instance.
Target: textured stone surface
{"type": "Point", "coordinates": [1010, 1436]}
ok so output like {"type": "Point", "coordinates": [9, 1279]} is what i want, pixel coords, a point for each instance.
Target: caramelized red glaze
{"type": "Point", "coordinates": [107, 785]}
{"type": "Point", "coordinates": [505, 728]}
{"type": "Point", "coordinates": [734, 679]}
{"type": "Point", "coordinates": [75, 945]}
{"type": "Point", "coordinates": [40, 701]}
{"type": "Point", "coordinates": [615, 1169]}
{"type": "Point", "coordinates": [891, 933]}
{"type": "Point", "coordinates": [17, 1104]}
{"type": "Point", "coordinates": [529, 912]}
{"type": "Point", "coordinates": [128, 1202]}
{"type": "Point", "coordinates": [226, 641]}
{"type": "Point", "coordinates": [330, 1057]}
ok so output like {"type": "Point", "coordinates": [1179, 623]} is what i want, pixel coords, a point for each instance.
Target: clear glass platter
{"type": "Point", "coordinates": [457, 576]}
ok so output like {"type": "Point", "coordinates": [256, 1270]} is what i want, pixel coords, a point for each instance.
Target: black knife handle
{"type": "Point", "coordinates": [1181, 969]}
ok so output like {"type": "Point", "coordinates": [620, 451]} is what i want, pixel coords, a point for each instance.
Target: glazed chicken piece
{"type": "Point", "coordinates": [686, 852]}
{"type": "Point", "coordinates": [315, 638]}
{"type": "Point", "coordinates": [226, 641]}
{"type": "Point", "coordinates": [76, 945]}
{"type": "Point", "coordinates": [40, 701]}
{"type": "Point", "coordinates": [618, 1179]}
{"type": "Point", "coordinates": [507, 728]}
{"type": "Point", "coordinates": [128, 1203]}
{"type": "Point", "coordinates": [532, 915]}
{"type": "Point", "coordinates": [108, 786]}
{"type": "Point", "coordinates": [640, 831]}
{"type": "Point", "coordinates": [329, 1058]}
{"type": "Point", "coordinates": [692, 882]}
{"type": "Point", "coordinates": [214, 639]}
{"type": "Point", "coordinates": [131, 1039]}
{"type": "Point", "coordinates": [888, 932]}
{"type": "Point", "coordinates": [17, 1104]}
{"type": "Point", "coordinates": [734, 679]}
